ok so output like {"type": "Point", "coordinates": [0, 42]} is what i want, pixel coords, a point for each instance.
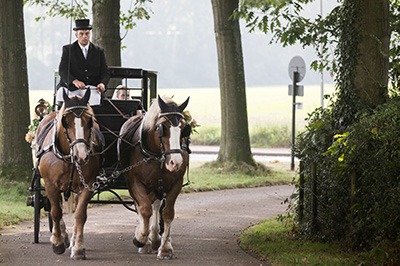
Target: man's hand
{"type": "Point", "coordinates": [79, 84]}
{"type": "Point", "coordinates": [101, 88]}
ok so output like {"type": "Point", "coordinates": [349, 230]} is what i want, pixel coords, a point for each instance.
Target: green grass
{"type": "Point", "coordinates": [14, 183]}
{"type": "Point", "coordinates": [212, 176]}
{"type": "Point", "coordinates": [274, 241]}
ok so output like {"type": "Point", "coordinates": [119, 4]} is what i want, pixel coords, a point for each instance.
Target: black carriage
{"type": "Point", "coordinates": [110, 115]}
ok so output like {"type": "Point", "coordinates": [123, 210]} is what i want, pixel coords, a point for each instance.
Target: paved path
{"type": "Point", "coordinates": [204, 232]}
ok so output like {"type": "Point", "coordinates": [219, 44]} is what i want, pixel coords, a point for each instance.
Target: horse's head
{"type": "Point", "coordinates": [170, 128]}
{"type": "Point", "coordinates": [77, 120]}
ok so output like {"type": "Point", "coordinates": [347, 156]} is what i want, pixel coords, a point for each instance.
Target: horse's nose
{"type": "Point", "coordinates": [173, 164]}
{"type": "Point", "coordinates": [81, 160]}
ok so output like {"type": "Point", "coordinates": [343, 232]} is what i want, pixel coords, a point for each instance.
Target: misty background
{"type": "Point", "coordinates": [178, 41]}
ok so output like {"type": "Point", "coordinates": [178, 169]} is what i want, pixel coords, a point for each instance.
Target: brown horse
{"type": "Point", "coordinates": [155, 163]}
{"type": "Point", "coordinates": [66, 142]}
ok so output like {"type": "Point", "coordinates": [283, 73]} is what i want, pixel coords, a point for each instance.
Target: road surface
{"type": "Point", "coordinates": [204, 232]}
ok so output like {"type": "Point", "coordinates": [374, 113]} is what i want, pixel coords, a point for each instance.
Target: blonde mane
{"type": "Point", "coordinates": [152, 114]}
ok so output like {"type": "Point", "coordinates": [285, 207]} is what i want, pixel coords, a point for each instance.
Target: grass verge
{"type": "Point", "coordinates": [261, 136]}
{"type": "Point", "coordinates": [273, 241]}
{"type": "Point", "coordinates": [14, 183]}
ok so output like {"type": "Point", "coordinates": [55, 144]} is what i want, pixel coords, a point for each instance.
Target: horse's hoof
{"type": "Point", "coordinates": [145, 250]}
{"type": "Point", "coordinates": [164, 255]}
{"type": "Point", "coordinates": [78, 254]}
{"type": "Point", "coordinates": [137, 243]}
{"type": "Point", "coordinates": [58, 249]}
{"type": "Point", "coordinates": [156, 244]}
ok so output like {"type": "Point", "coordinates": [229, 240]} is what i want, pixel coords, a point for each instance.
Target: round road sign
{"type": "Point", "coordinates": [297, 64]}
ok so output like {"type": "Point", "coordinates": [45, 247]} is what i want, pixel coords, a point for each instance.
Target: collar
{"type": "Point", "coordinates": [82, 47]}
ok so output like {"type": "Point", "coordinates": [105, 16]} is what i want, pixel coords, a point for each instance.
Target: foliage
{"type": "Point", "coordinates": [191, 121]}
{"type": "Point", "coordinates": [368, 152]}
{"type": "Point", "coordinates": [44, 108]}
{"type": "Point", "coordinates": [285, 21]}
{"type": "Point", "coordinates": [354, 148]}
{"type": "Point", "coordinates": [66, 9]}
{"type": "Point", "coordinates": [280, 246]}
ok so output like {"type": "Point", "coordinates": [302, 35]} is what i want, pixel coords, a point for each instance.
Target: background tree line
{"type": "Point", "coordinates": [106, 20]}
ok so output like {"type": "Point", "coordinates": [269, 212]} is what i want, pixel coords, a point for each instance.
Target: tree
{"type": "Point", "coordinates": [106, 31]}
{"type": "Point", "coordinates": [235, 141]}
{"type": "Point", "coordinates": [107, 19]}
{"type": "Point", "coordinates": [347, 149]}
{"type": "Point", "coordinates": [371, 71]}
{"type": "Point", "coordinates": [14, 103]}
{"type": "Point", "coordinates": [361, 39]}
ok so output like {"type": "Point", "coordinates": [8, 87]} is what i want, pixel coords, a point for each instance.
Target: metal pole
{"type": "Point", "coordinates": [322, 71]}
{"type": "Point", "coordinates": [295, 79]}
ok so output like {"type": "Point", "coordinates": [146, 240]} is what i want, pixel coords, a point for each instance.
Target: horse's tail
{"type": "Point", "coordinates": [68, 206]}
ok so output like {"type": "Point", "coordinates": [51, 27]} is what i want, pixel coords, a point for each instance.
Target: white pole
{"type": "Point", "coordinates": [322, 72]}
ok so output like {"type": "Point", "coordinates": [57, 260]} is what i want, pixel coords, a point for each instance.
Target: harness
{"type": "Point", "coordinates": [77, 111]}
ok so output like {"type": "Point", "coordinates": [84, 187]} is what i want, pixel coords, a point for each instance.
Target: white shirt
{"type": "Point", "coordinates": [85, 49]}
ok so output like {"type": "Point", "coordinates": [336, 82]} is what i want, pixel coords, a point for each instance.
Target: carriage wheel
{"type": "Point", "coordinates": [37, 207]}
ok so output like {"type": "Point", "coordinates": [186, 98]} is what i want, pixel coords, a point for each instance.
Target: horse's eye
{"type": "Point", "coordinates": [64, 122]}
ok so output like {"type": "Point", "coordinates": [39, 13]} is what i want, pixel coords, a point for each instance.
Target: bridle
{"type": "Point", "coordinates": [78, 112]}
{"type": "Point", "coordinates": [168, 116]}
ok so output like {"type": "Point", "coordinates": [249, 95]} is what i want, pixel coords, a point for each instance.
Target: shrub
{"type": "Point", "coordinates": [369, 151]}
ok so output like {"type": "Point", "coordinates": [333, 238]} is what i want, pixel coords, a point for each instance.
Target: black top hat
{"type": "Point", "coordinates": [82, 24]}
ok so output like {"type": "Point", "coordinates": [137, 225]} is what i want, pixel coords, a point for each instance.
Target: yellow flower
{"type": "Point", "coordinates": [29, 137]}
{"type": "Point", "coordinates": [187, 115]}
{"type": "Point", "coordinates": [194, 123]}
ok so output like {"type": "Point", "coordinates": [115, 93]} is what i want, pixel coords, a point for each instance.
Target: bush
{"type": "Point", "coordinates": [369, 151]}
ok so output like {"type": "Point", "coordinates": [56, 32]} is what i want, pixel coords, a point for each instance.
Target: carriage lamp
{"type": "Point", "coordinates": [41, 108]}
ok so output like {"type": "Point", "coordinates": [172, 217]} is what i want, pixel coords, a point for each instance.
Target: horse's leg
{"type": "Point", "coordinates": [155, 226]}
{"type": "Point", "coordinates": [144, 211]}
{"type": "Point", "coordinates": [154, 240]}
{"type": "Point", "coordinates": [59, 237]}
{"type": "Point", "coordinates": [77, 246]}
{"type": "Point", "coordinates": [165, 250]}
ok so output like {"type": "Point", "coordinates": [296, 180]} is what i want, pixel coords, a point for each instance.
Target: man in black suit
{"type": "Point", "coordinates": [82, 63]}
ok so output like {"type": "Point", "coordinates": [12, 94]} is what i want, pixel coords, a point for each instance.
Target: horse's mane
{"type": "Point", "coordinates": [152, 114]}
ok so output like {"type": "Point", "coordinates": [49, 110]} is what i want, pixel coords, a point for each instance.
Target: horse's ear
{"type": "Point", "coordinates": [161, 103]}
{"type": "Point", "coordinates": [183, 105]}
{"type": "Point", "coordinates": [65, 96]}
{"type": "Point", "coordinates": [86, 97]}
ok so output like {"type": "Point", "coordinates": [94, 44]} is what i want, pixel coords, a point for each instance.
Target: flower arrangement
{"type": "Point", "coordinates": [191, 121]}
{"type": "Point", "coordinates": [42, 109]}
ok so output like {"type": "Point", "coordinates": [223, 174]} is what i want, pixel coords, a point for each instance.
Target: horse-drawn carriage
{"type": "Point", "coordinates": [131, 144]}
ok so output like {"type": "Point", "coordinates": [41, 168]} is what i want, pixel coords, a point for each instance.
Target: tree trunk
{"type": "Point", "coordinates": [106, 29]}
{"type": "Point", "coordinates": [235, 142]}
{"type": "Point", "coordinates": [14, 94]}
{"type": "Point", "coordinates": [371, 72]}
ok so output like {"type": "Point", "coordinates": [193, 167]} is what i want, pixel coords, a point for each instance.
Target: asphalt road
{"type": "Point", "coordinates": [204, 232]}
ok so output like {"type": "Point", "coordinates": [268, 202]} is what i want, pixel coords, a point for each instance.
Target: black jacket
{"type": "Point", "coordinates": [91, 71]}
